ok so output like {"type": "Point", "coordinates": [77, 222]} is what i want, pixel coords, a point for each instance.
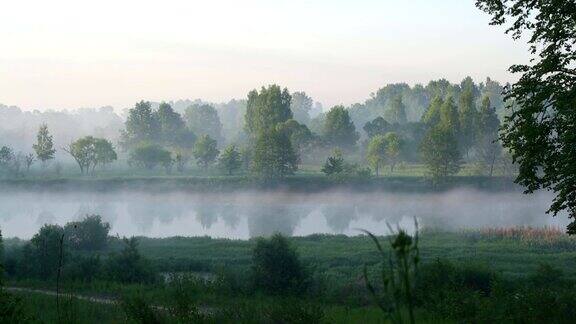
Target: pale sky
{"type": "Point", "coordinates": [66, 54]}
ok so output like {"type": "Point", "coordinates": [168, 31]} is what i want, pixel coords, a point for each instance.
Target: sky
{"type": "Point", "coordinates": [64, 54]}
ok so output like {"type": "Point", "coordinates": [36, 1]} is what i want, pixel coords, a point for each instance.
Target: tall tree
{"type": "Point", "coordinates": [44, 146]}
{"type": "Point", "coordinates": [376, 153]}
{"type": "Point", "coordinates": [170, 123]}
{"type": "Point", "coordinates": [432, 115]}
{"type": "Point", "coordinates": [203, 119]}
{"type": "Point", "coordinates": [205, 151]}
{"type": "Point", "coordinates": [393, 147]}
{"type": "Point", "coordinates": [449, 117]}
{"type": "Point", "coordinates": [378, 126]}
{"type": "Point", "coordinates": [440, 153]}
{"type": "Point", "coordinates": [266, 109]}
{"type": "Point", "coordinates": [396, 113]}
{"type": "Point", "coordinates": [467, 114]}
{"type": "Point", "coordinates": [141, 125]}
{"type": "Point", "coordinates": [274, 156]}
{"type": "Point", "coordinates": [301, 105]}
{"type": "Point", "coordinates": [338, 128]}
{"type": "Point", "coordinates": [230, 159]}
{"type": "Point", "coordinates": [541, 132]}
{"type": "Point", "coordinates": [489, 147]}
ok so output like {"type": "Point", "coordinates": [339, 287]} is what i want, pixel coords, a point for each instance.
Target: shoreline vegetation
{"type": "Point", "coordinates": [241, 183]}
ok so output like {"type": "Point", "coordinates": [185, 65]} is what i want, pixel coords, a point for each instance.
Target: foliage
{"type": "Point", "coordinates": [170, 123]}
{"type": "Point", "coordinates": [44, 249]}
{"type": "Point", "coordinates": [376, 153]}
{"type": "Point", "coordinates": [230, 159]}
{"type": "Point", "coordinates": [396, 114]}
{"type": "Point", "coordinates": [89, 234]}
{"type": "Point", "coordinates": [378, 126]}
{"type": "Point", "coordinates": [129, 266]}
{"type": "Point", "coordinates": [274, 156]}
{"type": "Point", "coordinates": [89, 152]}
{"type": "Point", "coordinates": [301, 105]}
{"type": "Point", "coordinates": [205, 151]}
{"type": "Point", "coordinates": [141, 125]}
{"type": "Point", "coordinates": [439, 150]}
{"type": "Point", "coordinates": [44, 146]}
{"type": "Point", "coordinates": [266, 109]}
{"type": "Point", "coordinates": [203, 119]}
{"type": "Point", "coordinates": [149, 156]}
{"type": "Point", "coordinates": [489, 147]}
{"type": "Point", "coordinates": [398, 274]}
{"type": "Point", "coordinates": [338, 128]}
{"type": "Point", "coordinates": [334, 164]}
{"type": "Point", "coordinates": [541, 130]}
{"type": "Point", "coordinates": [276, 266]}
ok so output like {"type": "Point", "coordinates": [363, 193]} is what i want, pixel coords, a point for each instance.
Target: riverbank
{"type": "Point", "coordinates": [299, 183]}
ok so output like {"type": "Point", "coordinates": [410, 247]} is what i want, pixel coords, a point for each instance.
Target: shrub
{"type": "Point", "coordinates": [129, 266]}
{"type": "Point", "coordinates": [90, 234]}
{"type": "Point", "coordinates": [276, 266]}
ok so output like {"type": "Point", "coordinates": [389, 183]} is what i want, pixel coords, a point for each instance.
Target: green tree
{"type": "Point", "coordinates": [339, 129]}
{"type": "Point", "coordinates": [129, 266]}
{"type": "Point", "coordinates": [376, 153]}
{"type": "Point", "coordinates": [205, 151]}
{"type": "Point", "coordinates": [440, 153]}
{"type": "Point", "coordinates": [300, 136]}
{"type": "Point", "coordinates": [449, 117]}
{"type": "Point", "coordinates": [396, 113]}
{"type": "Point", "coordinates": [301, 105]}
{"type": "Point", "coordinates": [334, 164]}
{"type": "Point", "coordinates": [89, 234]}
{"type": "Point", "coordinates": [141, 125]}
{"type": "Point", "coordinates": [203, 119]}
{"type": "Point", "coordinates": [393, 147]}
{"type": "Point", "coordinates": [541, 131]}
{"type": "Point", "coordinates": [266, 109]}
{"type": "Point", "coordinates": [46, 250]}
{"type": "Point", "coordinates": [432, 115]}
{"type": "Point", "coordinates": [489, 147]}
{"type": "Point", "coordinates": [276, 266]}
{"type": "Point", "coordinates": [44, 146]}
{"type": "Point", "coordinates": [378, 126]}
{"type": "Point", "coordinates": [6, 158]}
{"type": "Point", "coordinates": [169, 122]}
{"type": "Point", "coordinates": [467, 114]}
{"type": "Point", "coordinates": [230, 159]}
{"type": "Point", "coordinates": [149, 156]}
{"type": "Point", "coordinates": [274, 156]}
{"type": "Point", "coordinates": [83, 152]}
{"type": "Point", "coordinates": [105, 153]}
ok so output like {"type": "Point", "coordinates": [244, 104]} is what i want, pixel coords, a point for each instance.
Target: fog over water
{"type": "Point", "coordinates": [249, 214]}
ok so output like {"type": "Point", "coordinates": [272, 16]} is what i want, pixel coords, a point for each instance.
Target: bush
{"type": "Point", "coordinates": [129, 266]}
{"type": "Point", "coordinates": [276, 266]}
{"type": "Point", "coordinates": [90, 234]}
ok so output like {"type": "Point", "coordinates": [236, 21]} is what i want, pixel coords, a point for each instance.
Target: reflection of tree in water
{"type": "Point", "coordinates": [230, 215]}
{"type": "Point", "coordinates": [45, 217]}
{"type": "Point", "coordinates": [267, 219]}
{"type": "Point", "coordinates": [143, 213]}
{"type": "Point", "coordinates": [339, 216]}
{"type": "Point", "coordinates": [206, 214]}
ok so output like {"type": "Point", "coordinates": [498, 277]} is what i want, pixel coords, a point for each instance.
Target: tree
{"type": "Point", "coordinates": [489, 148]}
{"type": "Point", "coordinates": [266, 109]}
{"type": "Point", "coordinates": [276, 266]}
{"type": "Point", "coordinates": [301, 105]}
{"type": "Point", "coordinates": [467, 114]}
{"type": "Point", "coordinates": [204, 120]}
{"type": "Point", "coordinates": [141, 125]}
{"type": "Point", "coordinates": [440, 153]}
{"type": "Point", "coordinates": [29, 160]}
{"type": "Point", "coordinates": [334, 164]}
{"type": "Point", "coordinates": [46, 250]}
{"type": "Point", "coordinates": [230, 159]}
{"type": "Point", "coordinates": [376, 153]}
{"type": "Point", "coordinates": [104, 151]}
{"type": "Point", "coordinates": [300, 136]}
{"type": "Point", "coordinates": [83, 152]}
{"type": "Point", "coordinates": [393, 146]}
{"type": "Point", "coordinates": [129, 266]}
{"type": "Point", "coordinates": [44, 146]}
{"type": "Point", "coordinates": [205, 151]}
{"type": "Point", "coordinates": [274, 156]}
{"type": "Point", "coordinates": [449, 117]}
{"type": "Point", "coordinates": [396, 113]}
{"type": "Point", "coordinates": [89, 234]}
{"type": "Point", "coordinates": [541, 132]}
{"type": "Point", "coordinates": [170, 123]}
{"type": "Point", "coordinates": [432, 115]}
{"type": "Point", "coordinates": [378, 126]}
{"type": "Point", "coordinates": [6, 158]}
{"type": "Point", "coordinates": [149, 156]}
{"type": "Point", "coordinates": [89, 152]}
{"type": "Point", "coordinates": [339, 129]}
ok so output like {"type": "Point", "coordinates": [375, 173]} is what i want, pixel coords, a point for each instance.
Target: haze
{"type": "Point", "coordinates": [69, 54]}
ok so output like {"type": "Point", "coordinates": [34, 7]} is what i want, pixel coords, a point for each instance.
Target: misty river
{"type": "Point", "coordinates": [249, 214]}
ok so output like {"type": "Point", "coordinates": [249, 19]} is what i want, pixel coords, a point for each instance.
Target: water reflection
{"type": "Point", "coordinates": [247, 215]}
